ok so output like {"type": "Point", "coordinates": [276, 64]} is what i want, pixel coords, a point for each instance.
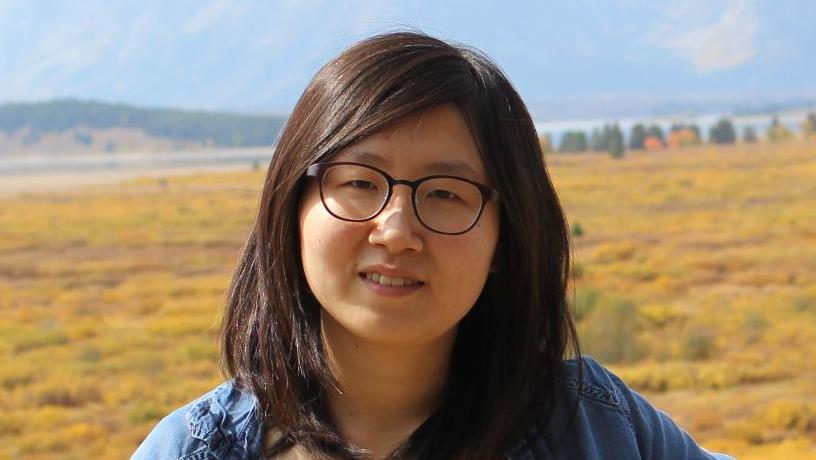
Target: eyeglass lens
{"type": "Point", "coordinates": [356, 192]}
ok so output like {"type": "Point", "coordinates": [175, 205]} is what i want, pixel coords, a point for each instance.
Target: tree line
{"type": "Point", "coordinates": [652, 137]}
{"type": "Point", "coordinates": [208, 128]}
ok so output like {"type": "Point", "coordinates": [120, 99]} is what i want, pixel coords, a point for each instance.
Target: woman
{"type": "Point", "coordinates": [402, 293]}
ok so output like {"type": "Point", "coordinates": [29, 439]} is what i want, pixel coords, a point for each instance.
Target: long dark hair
{"type": "Point", "coordinates": [507, 357]}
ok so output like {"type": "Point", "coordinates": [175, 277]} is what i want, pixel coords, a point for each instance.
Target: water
{"type": "Point", "coordinates": [99, 162]}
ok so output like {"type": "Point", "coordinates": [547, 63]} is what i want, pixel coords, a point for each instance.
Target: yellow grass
{"type": "Point", "coordinates": [694, 275]}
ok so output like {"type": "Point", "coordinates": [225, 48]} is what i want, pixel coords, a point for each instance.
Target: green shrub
{"type": "Point", "coordinates": [583, 303]}
{"type": "Point", "coordinates": [30, 339]}
{"type": "Point", "coordinates": [698, 344]}
{"type": "Point", "coordinates": [610, 332]}
{"type": "Point", "coordinates": [146, 412]}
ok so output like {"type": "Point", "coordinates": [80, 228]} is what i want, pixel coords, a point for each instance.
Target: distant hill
{"type": "Point", "coordinates": [616, 107]}
{"type": "Point", "coordinates": [90, 125]}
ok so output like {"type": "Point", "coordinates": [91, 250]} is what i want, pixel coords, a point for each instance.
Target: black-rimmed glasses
{"type": "Point", "coordinates": [357, 192]}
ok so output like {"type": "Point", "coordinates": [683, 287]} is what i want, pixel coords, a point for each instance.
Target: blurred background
{"type": "Point", "coordinates": [681, 137]}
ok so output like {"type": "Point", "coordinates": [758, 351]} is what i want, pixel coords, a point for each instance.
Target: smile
{"type": "Point", "coordinates": [393, 281]}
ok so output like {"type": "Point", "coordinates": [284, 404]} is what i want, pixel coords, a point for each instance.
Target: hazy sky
{"type": "Point", "coordinates": [259, 55]}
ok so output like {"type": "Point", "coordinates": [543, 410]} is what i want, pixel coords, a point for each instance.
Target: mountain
{"type": "Point", "coordinates": [77, 125]}
{"type": "Point", "coordinates": [612, 107]}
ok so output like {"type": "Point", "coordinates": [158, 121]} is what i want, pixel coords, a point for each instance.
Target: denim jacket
{"type": "Point", "coordinates": [611, 422]}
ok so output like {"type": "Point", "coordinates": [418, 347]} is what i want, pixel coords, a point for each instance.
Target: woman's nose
{"type": "Point", "coordinates": [397, 227]}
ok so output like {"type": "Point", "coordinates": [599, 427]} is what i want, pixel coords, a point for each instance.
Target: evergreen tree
{"type": "Point", "coordinates": [573, 141]}
{"type": "Point", "coordinates": [614, 140]}
{"type": "Point", "coordinates": [749, 135]}
{"type": "Point", "coordinates": [637, 136]}
{"type": "Point", "coordinates": [722, 133]}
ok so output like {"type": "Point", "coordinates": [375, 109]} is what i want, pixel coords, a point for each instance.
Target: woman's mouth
{"type": "Point", "coordinates": [391, 286]}
{"type": "Point", "coordinates": [395, 281]}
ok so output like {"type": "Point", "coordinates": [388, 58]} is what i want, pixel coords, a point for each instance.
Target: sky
{"type": "Point", "coordinates": [258, 56]}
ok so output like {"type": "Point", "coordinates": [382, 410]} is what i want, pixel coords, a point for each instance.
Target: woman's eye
{"type": "Point", "coordinates": [361, 184]}
{"type": "Point", "coordinates": [443, 194]}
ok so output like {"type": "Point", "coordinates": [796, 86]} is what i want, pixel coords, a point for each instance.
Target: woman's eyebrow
{"type": "Point", "coordinates": [444, 167]}
{"type": "Point", "coordinates": [362, 156]}
{"type": "Point", "coordinates": [452, 167]}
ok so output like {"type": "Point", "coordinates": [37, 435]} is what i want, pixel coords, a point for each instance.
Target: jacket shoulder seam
{"type": "Point", "coordinates": [605, 393]}
{"type": "Point", "coordinates": [196, 454]}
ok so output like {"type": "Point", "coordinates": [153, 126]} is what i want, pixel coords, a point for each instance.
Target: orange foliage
{"type": "Point", "coordinates": [683, 138]}
{"type": "Point", "coordinates": [699, 262]}
{"type": "Point", "coordinates": [652, 143]}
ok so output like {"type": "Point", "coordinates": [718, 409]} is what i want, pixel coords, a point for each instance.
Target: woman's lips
{"type": "Point", "coordinates": [390, 286]}
{"type": "Point", "coordinates": [385, 280]}
{"type": "Point", "coordinates": [390, 270]}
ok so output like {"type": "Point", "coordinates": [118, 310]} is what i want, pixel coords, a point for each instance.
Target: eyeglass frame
{"type": "Point", "coordinates": [318, 170]}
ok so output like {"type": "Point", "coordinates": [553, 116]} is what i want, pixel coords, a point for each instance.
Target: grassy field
{"type": "Point", "coordinates": [694, 281]}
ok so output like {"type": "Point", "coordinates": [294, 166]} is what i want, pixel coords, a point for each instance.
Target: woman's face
{"type": "Point", "coordinates": [444, 274]}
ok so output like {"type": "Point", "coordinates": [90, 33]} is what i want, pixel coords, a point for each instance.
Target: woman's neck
{"type": "Point", "coordinates": [385, 392]}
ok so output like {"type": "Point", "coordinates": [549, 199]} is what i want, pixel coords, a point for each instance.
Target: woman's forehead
{"type": "Point", "coordinates": [435, 141]}
{"type": "Point", "coordinates": [443, 166]}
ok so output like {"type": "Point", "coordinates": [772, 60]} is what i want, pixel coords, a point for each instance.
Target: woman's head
{"type": "Point", "coordinates": [512, 336]}
{"type": "Point", "coordinates": [395, 279]}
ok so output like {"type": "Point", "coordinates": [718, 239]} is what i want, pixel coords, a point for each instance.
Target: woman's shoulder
{"type": "Point", "coordinates": [592, 380]}
{"type": "Point", "coordinates": [596, 415]}
{"type": "Point", "coordinates": [220, 424]}
{"type": "Point", "coordinates": [597, 385]}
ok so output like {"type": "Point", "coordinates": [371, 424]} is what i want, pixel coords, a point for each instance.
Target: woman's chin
{"type": "Point", "coordinates": [390, 327]}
